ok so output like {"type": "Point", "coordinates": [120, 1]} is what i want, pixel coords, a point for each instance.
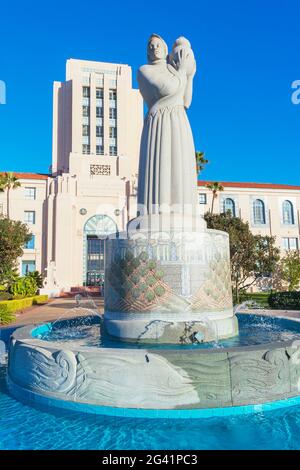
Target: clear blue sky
{"type": "Point", "coordinates": [247, 54]}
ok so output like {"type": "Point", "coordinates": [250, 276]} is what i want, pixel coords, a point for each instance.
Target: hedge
{"type": "Point", "coordinates": [285, 300]}
{"type": "Point", "coordinates": [260, 298]}
{"type": "Point", "coordinates": [5, 315]}
{"type": "Point", "coordinates": [19, 304]}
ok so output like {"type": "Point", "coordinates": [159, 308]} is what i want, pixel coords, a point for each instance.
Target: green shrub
{"type": "Point", "coordinates": [39, 299]}
{"type": "Point", "coordinates": [5, 315]}
{"type": "Point", "coordinates": [19, 304]}
{"type": "Point", "coordinates": [39, 280]}
{"type": "Point", "coordinates": [285, 300]}
{"type": "Point", "coordinates": [24, 287]}
{"type": "Point", "coordinates": [5, 296]}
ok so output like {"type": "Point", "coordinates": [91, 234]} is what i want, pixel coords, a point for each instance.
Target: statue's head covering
{"type": "Point", "coordinates": [163, 43]}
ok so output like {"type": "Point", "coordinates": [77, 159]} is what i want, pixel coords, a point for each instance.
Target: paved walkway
{"type": "Point", "coordinates": [55, 309]}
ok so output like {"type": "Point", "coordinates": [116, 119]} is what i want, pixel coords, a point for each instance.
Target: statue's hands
{"type": "Point", "coordinates": [181, 59]}
{"type": "Point", "coordinates": [185, 62]}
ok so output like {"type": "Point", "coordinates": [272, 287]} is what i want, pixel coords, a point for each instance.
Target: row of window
{"type": "Point", "coordinates": [99, 133]}
{"type": "Point", "coordinates": [86, 92]}
{"type": "Point", "coordinates": [99, 112]}
{"type": "Point", "coordinates": [258, 210]}
{"type": "Point", "coordinates": [86, 149]}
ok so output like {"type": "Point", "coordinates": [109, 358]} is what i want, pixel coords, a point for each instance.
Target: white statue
{"type": "Point", "coordinates": [167, 170]}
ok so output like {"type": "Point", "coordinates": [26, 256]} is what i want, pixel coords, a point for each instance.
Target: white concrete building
{"type": "Point", "coordinates": [270, 209]}
{"type": "Point", "coordinates": [97, 122]}
{"type": "Point", "coordinates": [91, 191]}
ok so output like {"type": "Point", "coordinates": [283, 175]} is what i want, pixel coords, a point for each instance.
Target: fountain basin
{"type": "Point", "coordinates": [179, 380]}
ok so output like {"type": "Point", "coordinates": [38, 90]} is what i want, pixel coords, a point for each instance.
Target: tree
{"type": "Point", "coordinates": [13, 236]}
{"type": "Point", "coordinates": [8, 181]}
{"type": "Point", "coordinates": [290, 269]}
{"type": "Point", "coordinates": [252, 256]}
{"type": "Point", "coordinates": [201, 161]}
{"type": "Point", "coordinates": [215, 187]}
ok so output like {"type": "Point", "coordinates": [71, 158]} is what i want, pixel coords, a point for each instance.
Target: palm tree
{"type": "Point", "coordinates": [8, 181]}
{"type": "Point", "coordinates": [201, 161]}
{"type": "Point", "coordinates": [215, 187]}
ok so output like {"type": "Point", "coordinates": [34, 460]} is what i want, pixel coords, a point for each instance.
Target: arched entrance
{"type": "Point", "coordinates": [95, 232]}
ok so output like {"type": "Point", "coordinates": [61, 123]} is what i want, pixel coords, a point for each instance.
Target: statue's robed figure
{"type": "Point", "coordinates": [167, 171]}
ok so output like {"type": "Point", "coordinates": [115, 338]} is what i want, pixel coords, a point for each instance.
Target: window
{"type": "Point", "coordinates": [99, 131]}
{"type": "Point", "coordinates": [112, 132]}
{"type": "Point", "coordinates": [288, 213]}
{"type": "Point", "coordinates": [112, 150]}
{"type": "Point", "coordinates": [30, 193]}
{"type": "Point", "coordinates": [99, 150]}
{"type": "Point", "coordinates": [290, 243]}
{"type": "Point", "coordinates": [28, 267]}
{"type": "Point", "coordinates": [30, 244]}
{"type": "Point", "coordinates": [29, 217]}
{"type": "Point", "coordinates": [85, 130]}
{"type": "Point", "coordinates": [99, 93]}
{"type": "Point", "coordinates": [86, 91]}
{"type": "Point", "coordinates": [229, 205]}
{"type": "Point", "coordinates": [113, 95]}
{"type": "Point", "coordinates": [85, 149]}
{"type": "Point", "coordinates": [99, 111]}
{"type": "Point", "coordinates": [85, 111]}
{"type": "Point", "coordinates": [259, 214]}
{"type": "Point", "coordinates": [112, 113]}
{"type": "Point", "coordinates": [202, 198]}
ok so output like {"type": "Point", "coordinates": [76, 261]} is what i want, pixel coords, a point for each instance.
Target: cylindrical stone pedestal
{"type": "Point", "coordinates": [169, 287]}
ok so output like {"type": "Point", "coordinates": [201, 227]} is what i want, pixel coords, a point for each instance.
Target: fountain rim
{"type": "Point", "coordinates": [30, 396]}
{"type": "Point", "coordinates": [28, 393]}
{"type": "Point", "coordinates": [25, 334]}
